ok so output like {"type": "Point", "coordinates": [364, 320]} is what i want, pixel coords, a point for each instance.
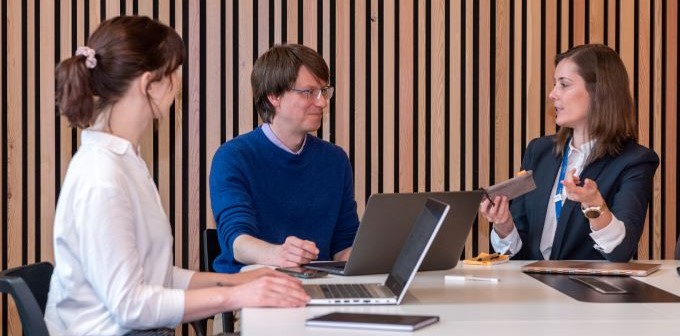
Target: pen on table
{"type": "Point", "coordinates": [469, 278]}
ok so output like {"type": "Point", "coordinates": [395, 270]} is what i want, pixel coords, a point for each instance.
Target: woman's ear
{"type": "Point", "coordinates": [144, 81]}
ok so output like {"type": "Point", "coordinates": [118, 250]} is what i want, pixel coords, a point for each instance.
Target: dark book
{"type": "Point", "coordinates": [373, 321]}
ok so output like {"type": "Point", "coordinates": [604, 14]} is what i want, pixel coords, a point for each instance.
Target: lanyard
{"type": "Point", "coordinates": [558, 192]}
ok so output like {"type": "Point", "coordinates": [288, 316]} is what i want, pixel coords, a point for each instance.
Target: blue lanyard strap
{"type": "Point", "coordinates": [558, 192]}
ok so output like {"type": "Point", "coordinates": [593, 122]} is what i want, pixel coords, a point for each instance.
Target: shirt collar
{"type": "Point", "coordinates": [584, 149]}
{"type": "Point", "coordinates": [109, 141]}
{"type": "Point", "coordinates": [269, 133]}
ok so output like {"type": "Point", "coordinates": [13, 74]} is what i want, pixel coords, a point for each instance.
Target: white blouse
{"type": "Point", "coordinates": [113, 246]}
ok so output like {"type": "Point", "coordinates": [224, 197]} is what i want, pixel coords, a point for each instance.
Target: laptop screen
{"type": "Point", "coordinates": [415, 247]}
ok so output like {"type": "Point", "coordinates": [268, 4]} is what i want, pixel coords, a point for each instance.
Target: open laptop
{"type": "Point", "coordinates": [386, 224]}
{"type": "Point", "coordinates": [423, 231]}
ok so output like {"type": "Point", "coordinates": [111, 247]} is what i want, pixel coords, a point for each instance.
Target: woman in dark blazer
{"type": "Point", "coordinates": [593, 180]}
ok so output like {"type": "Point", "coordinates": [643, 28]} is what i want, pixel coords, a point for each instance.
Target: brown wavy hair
{"type": "Point", "coordinates": [125, 47]}
{"type": "Point", "coordinates": [611, 119]}
{"type": "Point", "coordinates": [276, 71]}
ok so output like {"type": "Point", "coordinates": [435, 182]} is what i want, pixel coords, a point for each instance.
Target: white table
{"type": "Point", "coordinates": [516, 305]}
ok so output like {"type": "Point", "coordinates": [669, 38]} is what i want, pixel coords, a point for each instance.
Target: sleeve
{"type": "Point", "coordinates": [348, 222]}
{"type": "Point", "coordinates": [628, 201]}
{"type": "Point", "coordinates": [231, 199]}
{"type": "Point", "coordinates": [518, 209]}
{"type": "Point", "coordinates": [508, 245]}
{"type": "Point", "coordinates": [112, 264]}
{"type": "Point", "coordinates": [181, 278]}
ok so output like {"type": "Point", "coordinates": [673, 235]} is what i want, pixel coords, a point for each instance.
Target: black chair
{"type": "Point", "coordinates": [28, 285]}
{"type": "Point", "coordinates": [211, 249]}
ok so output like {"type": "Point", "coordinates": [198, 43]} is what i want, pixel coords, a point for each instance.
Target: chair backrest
{"type": "Point", "coordinates": [211, 249]}
{"type": "Point", "coordinates": [29, 285]}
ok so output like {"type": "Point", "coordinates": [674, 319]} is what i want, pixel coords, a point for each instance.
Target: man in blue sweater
{"type": "Point", "coordinates": [281, 196]}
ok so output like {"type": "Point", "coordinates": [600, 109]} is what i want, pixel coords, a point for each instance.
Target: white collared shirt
{"type": "Point", "coordinates": [606, 239]}
{"type": "Point", "coordinates": [269, 133]}
{"type": "Point", "coordinates": [113, 246]}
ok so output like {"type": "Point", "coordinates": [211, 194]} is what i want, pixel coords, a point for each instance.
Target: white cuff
{"type": "Point", "coordinates": [508, 245]}
{"type": "Point", "coordinates": [610, 236]}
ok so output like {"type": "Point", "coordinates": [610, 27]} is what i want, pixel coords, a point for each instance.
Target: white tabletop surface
{"type": "Point", "coordinates": [516, 305]}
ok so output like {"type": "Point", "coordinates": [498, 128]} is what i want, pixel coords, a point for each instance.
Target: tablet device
{"type": "Point", "coordinates": [373, 321]}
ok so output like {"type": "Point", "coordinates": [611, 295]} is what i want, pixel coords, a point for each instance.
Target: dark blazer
{"type": "Point", "coordinates": [625, 182]}
{"type": "Point", "coordinates": [677, 249]}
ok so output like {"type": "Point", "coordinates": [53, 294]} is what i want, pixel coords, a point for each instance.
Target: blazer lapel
{"type": "Point", "coordinates": [571, 211]}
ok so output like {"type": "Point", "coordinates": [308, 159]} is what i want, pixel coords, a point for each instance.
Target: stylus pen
{"type": "Point", "coordinates": [469, 278]}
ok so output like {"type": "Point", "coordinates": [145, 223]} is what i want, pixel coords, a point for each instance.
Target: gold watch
{"type": "Point", "coordinates": [593, 212]}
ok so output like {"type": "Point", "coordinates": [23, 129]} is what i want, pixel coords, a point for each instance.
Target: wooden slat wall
{"type": "Point", "coordinates": [430, 95]}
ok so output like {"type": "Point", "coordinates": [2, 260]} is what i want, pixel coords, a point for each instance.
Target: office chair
{"type": "Point", "coordinates": [210, 251]}
{"type": "Point", "coordinates": [28, 285]}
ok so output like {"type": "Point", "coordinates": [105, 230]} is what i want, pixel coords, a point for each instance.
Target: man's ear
{"type": "Point", "coordinates": [274, 100]}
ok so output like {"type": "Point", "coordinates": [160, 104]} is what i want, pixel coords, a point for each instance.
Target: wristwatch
{"type": "Point", "coordinates": [593, 212]}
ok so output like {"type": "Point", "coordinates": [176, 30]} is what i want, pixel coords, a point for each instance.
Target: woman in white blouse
{"type": "Point", "coordinates": [114, 271]}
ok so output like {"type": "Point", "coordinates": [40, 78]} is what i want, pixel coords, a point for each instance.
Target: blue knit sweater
{"type": "Point", "coordinates": [261, 190]}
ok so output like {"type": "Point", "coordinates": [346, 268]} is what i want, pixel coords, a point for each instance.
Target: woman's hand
{"type": "Point", "coordinates": [268, 291]}
{"type": "Point", "coordinates": [499, 214]}
{"type": "Point", "coordinates": [248, 276]}
{"type": "Point", "coordinates": [587, 194]}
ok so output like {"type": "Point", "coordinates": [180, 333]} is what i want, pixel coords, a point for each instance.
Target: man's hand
{"type": "Point", "coordinates": [295, 251]}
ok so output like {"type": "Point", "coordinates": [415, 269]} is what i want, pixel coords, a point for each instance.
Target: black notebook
{"type": "Point", "coordinates": [373, 321]}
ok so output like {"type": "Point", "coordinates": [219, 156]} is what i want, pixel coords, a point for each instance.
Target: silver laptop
{"type": "Point", "coordinates": [374, 251]}
{"type": "Point", "coordinates": [423, 231]}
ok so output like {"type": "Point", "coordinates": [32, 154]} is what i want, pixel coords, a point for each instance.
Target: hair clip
{"type": "Point", "coordinates": [89, 53]}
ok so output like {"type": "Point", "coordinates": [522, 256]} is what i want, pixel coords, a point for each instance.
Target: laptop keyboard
{"type": "Point", "coordinates": [345, 291]}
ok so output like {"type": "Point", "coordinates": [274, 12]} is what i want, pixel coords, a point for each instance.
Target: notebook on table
{"type": "Point", "coordinates": [423, 231]}
{"type": "Point", "coordinates": [391, 322]}
{"type": "Point", "coordinates": [591, 267]}
{"type": "Point", "coordinates": [374, 251]}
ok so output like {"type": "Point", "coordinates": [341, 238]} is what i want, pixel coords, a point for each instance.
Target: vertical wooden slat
{"type": "Point", "coordinates": [501, 122]}
{"type": "Point", "coordinates": [178, 144]}
{"type": "Point", "coordinates": [517, 92]}
{"type": "Point", "coordinates": [245, 62]}
{"type": "Point", "coordinates": [292, 27]}
{"type": "Point", "coordinates": [455, 93]}
{"type": "Point", "coordinates": [191, 243]}
{"type": "Point", "coordinates": [309, 21]}
{"type": "Point", "coordinates": [326, 20]}
{"type": "Point", "coordinates": [596, 21]}
{"type": "Point", "coordinates": [47, 129]}
{"type": "Point", "coordinates": [228, 71]}
{"type": "Point", "coordinates": [469, 130]}
{"type": "Point", "coordinates": [549, 54]}
{"type": "Point", "coordinates": [360, 94]}
{"type": "Point", "coordinates": [65, 52]}
{"type": "Point", "coordinates": [14, 148]}
{"type": "Point", "coordinates": [611, 27]}
{"type": "Point", "coordinates": [277, 21]}
{"type": "Point", "coordinates": [533, 81]}
{"type": "Point", "coordinates": [376, 22]}
{"type": "Point", "coordinates": [437, 78]}
{"type": "Point", "coordinates": [263, 21]}
{"type": "Point", "coordinates": [669, 161]}
{"type": "Point", "coordinates": [565, 27]}
{"type": "Point", "coordinates": [406, 98]}
{"type": "Point", "coordinates": [485, 123]}
{"type": "Point", "coordinates": [30, 195]}
{"type": "Point", "coordinates": [656, 77]}
{"type": "Point", "coordinates": [420, 100]}
{"type": "Point", "coordinates": [389, 94]}
{"type": "Point", "coordinates": [579, 23]}
{"type": "Point", "coordinates": [213, 75]}
{"type": "Point", "coordinates": [342, 59]}
{"type": "Point", "coordinates": [643, 82]}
